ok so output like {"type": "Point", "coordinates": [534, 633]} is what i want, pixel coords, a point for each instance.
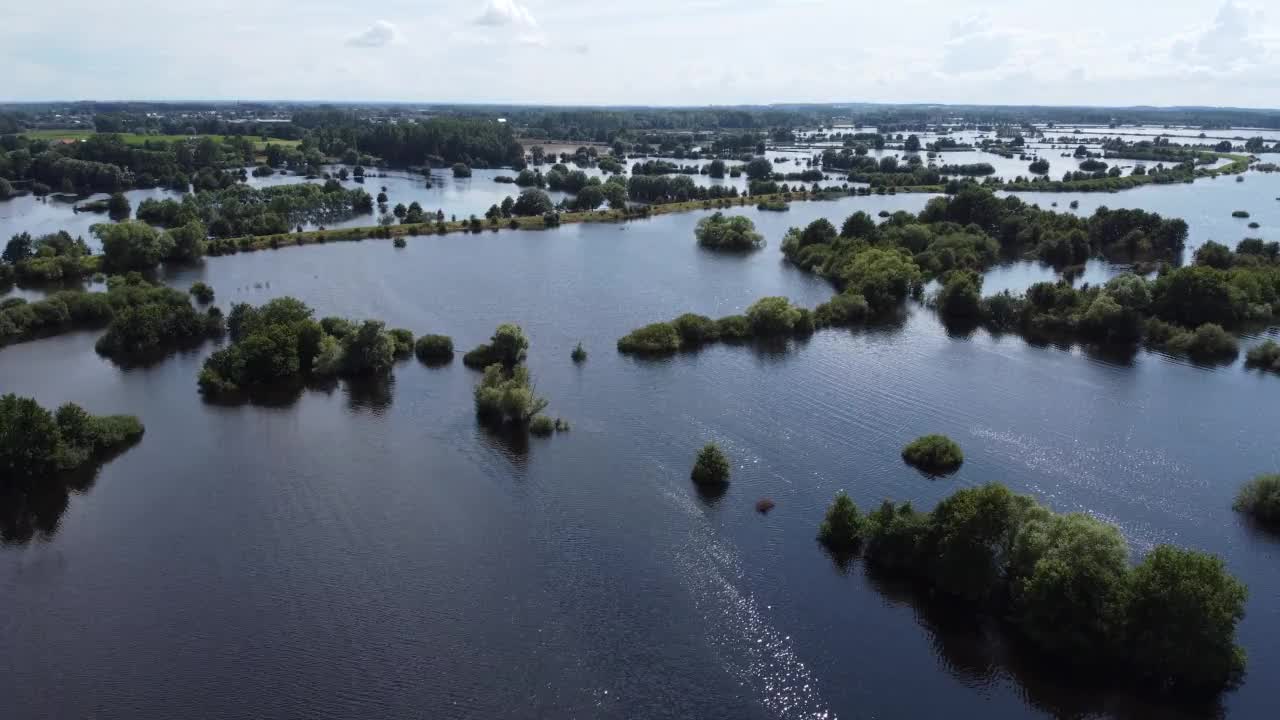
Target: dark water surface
{"type": "Point", "coordinates": [369, 551]}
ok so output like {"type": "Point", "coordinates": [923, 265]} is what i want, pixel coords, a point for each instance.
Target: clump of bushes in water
{"type": "Point", "coordinates": [579, 353]}
{"type": "Point", "coordinates": [1064, 582]}
{"type": "Point", "coordinates": [149, 320]}
{"type": "Point", "coordinates": [507, 346]}
{"type": "Point", "coordinates": [710, 467]}
{"type": "Point", "coordinates": [434, 348]}
{"type": "Point", "coordinates": [506, 395]}
{"type": "Point", "coordinates": [281, 344]}
{"type": "Point", "coordinates": [774, 205]}
{"type": "Point", "coordinates": [721, 232]}
{"type": "Point", "coordinates": [1260, 499]}
{"type": "Point", "coordinates": [399, 242]}
{"type": "Point", "coordinates": [46, 259]}
{"type": "Point", "coordinates": [36, 443]}
{"type": "Point", "coordinates": [934, 454]}
{"type": "Point", "coordinates": [1265, 356]}
{"type": "Point", "coordinates": [403, 342]}
{"type": "Point", "coordinates": [767, 317]}
{"type": "Point", "coordinates": [202, 293]}
{"type": "Point", "coordinates": [461, 170]}
{"type": "Point", "coordinates": [1207, 342]}
{"type": "Point", "coordinates": [841, 530]}
{"type": "Point", "coordinates": [1239, 213]}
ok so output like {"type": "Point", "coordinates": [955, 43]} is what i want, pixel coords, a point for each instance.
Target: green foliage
{"type": "Point", "coordinates": [842, 528]}
{"type": "Point", "coordinates": [1182, 619]}
{"type": "Point", "coordinates": [772, 316]}
{"type": "Point", "coordinates": [541, 425]}
{"type": "Point", "coordinates": [507, 346]}
{"type": "Point", "coordinates": [132, 245]}
{"type": "Point", "coordinates": [1207, 342]}
{"type": "Point", "coordinates": [960, 296]}
{"type": "Point", "coordinates": [461, 170]}
{"type": "Point", "coordinates": [35, 443]}
{"type": "Point", "coordinates": [721, 232]}
{"type": "Point", "coordinates": [843, 309]}
{"type": "Point", "coordinates": [710, 467]}
{"type": "Point", "coordinates": [1260, 498]}
{"type": "Point", "coordinates": [935, 454]}
{"type": "Point", "coordinates": [403, 341]}
{"type": "Point", "coordinates": [434, 348]}
{"type": "Point", "coordinates": [507, 395]}
{"type": "Point", "coordinates": [654, 339]}
{"type": "Point", "coordinates": [695, 330]}
{"type": "Point", "coordinates": [1265, 356]}
{"type": "Point", "coordinates": [202, 293]}
{"type": "Point", "coordinates": [532, 202]}
{"type": "Point", "coordinates": [579, 353]}
{"type": "Point", "coordinates": [733, 327]}
{"type": "Point", "coordinates": [279, 344]}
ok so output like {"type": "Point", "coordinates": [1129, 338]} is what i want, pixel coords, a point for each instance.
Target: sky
{"type": "Point", "coordinates": [657, 52]}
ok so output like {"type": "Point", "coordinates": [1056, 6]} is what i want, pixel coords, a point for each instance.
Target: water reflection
{"type": "Point", "coordinates": [32, 509]}
{"type": "Point", "coordinates": [982, 652]}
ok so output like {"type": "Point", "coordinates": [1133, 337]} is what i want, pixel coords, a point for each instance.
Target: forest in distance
{"type": "Point", "coordinates": [256, 260]}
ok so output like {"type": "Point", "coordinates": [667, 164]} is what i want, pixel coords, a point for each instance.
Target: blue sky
{"type": "Point", "coordinates": [678, 52]}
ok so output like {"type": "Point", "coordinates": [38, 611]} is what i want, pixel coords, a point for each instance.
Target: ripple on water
{"type": "Point", "coordinates": [760, 657]}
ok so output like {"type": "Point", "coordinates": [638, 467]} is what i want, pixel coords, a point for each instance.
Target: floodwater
{"type": "Point", "coordinates": [369, 550]}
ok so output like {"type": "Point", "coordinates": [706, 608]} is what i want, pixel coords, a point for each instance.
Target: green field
{"type": "Point", "coordinates": [136, 139]}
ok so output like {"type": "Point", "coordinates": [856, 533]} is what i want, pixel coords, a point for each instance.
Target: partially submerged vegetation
{"type": "Point", "coordinates": [1064, 583]}
{"type": "Point", "coordinates": [35, 443]}
{"type": "Point", "coordinates": [1260, 499]}
{"type": "Point", "coordinates": [280, 345]}
{"type": "Point", "coordinates": [721, 232]}
{"type": "Point", "coordinates": [770, 317]}
{"type": "Point", "coordinates": [934, 454]}
{"type": "Point", "coordinates": [710, 467]}
{"type": "Point", "coordinates": [505, 395]}
{"type": "Point", "coordinates": [433, 349]}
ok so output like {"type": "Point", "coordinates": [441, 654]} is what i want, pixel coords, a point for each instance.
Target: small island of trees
{"type": "Point", "coordinates": [1064, 582]}
{"type": "Point", "coordinates": [36, 443]}
{"type": "Point", "coordinates": [280, 345]}
{"type": "Point", "coordinates": [721, 232]}
{"type": "Point", "coordinates": [710, 467]}
{"type": "Point", "coordinates": [934, 454]}
{"type": "Point", "coordinates": [1260, 499]}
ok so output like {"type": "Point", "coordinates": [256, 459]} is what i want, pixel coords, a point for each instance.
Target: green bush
{"type": "Point", "coordinates": [1240, 213]}
{"type": "Point", "coordinates": [721, 232]}
{"type": "Point", "coordinates": [734, 327]}
{"type": "Point", "coordinates": [1265, 356]}
{"type": "Point", "coordinates": [935, 454]}
{"type": "Point", "coordinates": [1260, 498]}
{"type": "Point", "coordinates": [772, 316]}
{"type": "Point", "coordinates": [579, 353]}
{"type": "Point", "coordinates": [402, 340]}
{"type": "Point", "coordinates": [35, 443]}
{"type": "Point", "coordinates": [843, 309]}
{"type": "Point", "coordinates": [507, 395]}
{"type": "Point", "coordinates": [430, 348]}
{"type": "Point", "coordinates": [841, 530]}
{"type": "Point", "coordinates": [695, 330]}
{"type": "Point", "coordinates": [654, 339]}
{"type": "Point", "coordinates": [710, 467]}
{"type": "Point", "coordinates": [202, 293]}
{"type": "Point", "coordinates": [541, 426]}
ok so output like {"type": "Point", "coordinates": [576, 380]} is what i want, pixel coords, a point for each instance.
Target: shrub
{"type": "Point", "coordinates": [461, 170]}
{"type": "Point", "coordinates": [1240, 213]}
{"type": "Point", "coordinates": [774, 205]}
{"type": "Point", "coordinates": [35, 443]}
{"type": "Point", "coordinates": [507, 395]}
{"type": "Point", "coordinates": [1260, 498]}
{"type": "Point", "coordinates": [1265, 356]}
{"type": "Point", "coordinates": [202, 293]}
{"type": "Point", "coordinates": [652, 339]}
{"type": "Point", "coordinates": [399, 242]}
{"type": "Point", "coordinates": [843, 309]}
{"type": "Point", "coordinates": [579, 353]}
{"type": "Point", "coordinates": [431, 348]}
{"type": "Point", "coordinates": [402, 341]}
{"type": "Point", "coordinates": [772, 316]}
{"type": "Point", "coordinates": [1209, 341]}
{"type": "Point", "coordinates": [696, 329]}
{"type": "Point", "coordinates": [711, 467]}
{"type": "Point", "coordinates": [721, 232]}
{"type": "Point", "coordinates": [541, 426]}
{"type": "Point", "coordinates": [734, 327]}
{"type": "Point", "coordinates": [841, 530]}
{"type": "Point", "coordinates": [935, 454]}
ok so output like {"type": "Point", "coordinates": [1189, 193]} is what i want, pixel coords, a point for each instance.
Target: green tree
{"type": "Point", "coordinates": [842, 528]}
{"type": "Point", "coordinates": [118, 207]}
{"type": "Point", "coordinates": [1182, 620]}
{"type": "Point", "coordinates": [132, 245]}
{"type": "Point", "coordinates": [721, 232]}
{"type": "Point", "coordinates": [710, 467]}
{"type": "Point", "coordinates": [759, 169]}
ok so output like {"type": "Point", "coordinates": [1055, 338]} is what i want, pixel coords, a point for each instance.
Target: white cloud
{"type": "Point", "coordinates": [502, 13]}
{"type": "Point", "coordinates": [380, 34]}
